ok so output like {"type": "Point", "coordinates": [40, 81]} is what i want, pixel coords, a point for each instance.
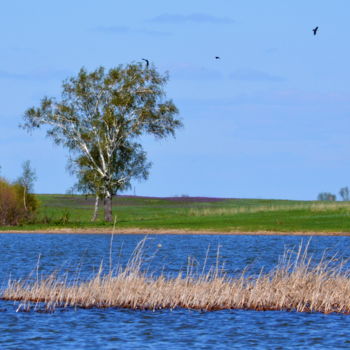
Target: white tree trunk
{"type": "Point", "coordinates": [24, 198]}
{"type": "Point", "coordinates": [108, 206]}
{"type": "Point", "coordinates": [97, 200]}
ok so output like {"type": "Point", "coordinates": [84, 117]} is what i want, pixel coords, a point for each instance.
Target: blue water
{"type": "Point", "coordinates": [25, 254]}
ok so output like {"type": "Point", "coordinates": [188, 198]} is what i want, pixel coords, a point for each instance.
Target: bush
{"type": "Point", "coordinates": [12, 207]}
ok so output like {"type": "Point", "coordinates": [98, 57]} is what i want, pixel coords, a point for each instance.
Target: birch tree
{"type": "Point", "coordinates": [130, 162]}
{"type": "Point", "coordinates": [26, 180]}
{"type": "Point", "coordinates": [102, 111]}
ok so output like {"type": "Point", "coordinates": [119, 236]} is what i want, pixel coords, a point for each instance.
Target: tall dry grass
{"type": "Point", "coordinates": [315, 207]}
{"type": "Point", "coordinates": [295, 284]}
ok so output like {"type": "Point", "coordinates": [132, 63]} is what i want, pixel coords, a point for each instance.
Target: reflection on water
{"type": "Point", "coordinates": [177, 329]}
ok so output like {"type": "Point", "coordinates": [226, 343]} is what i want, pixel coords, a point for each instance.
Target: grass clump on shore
{"type": "Point", "coordinates": [296, 284]}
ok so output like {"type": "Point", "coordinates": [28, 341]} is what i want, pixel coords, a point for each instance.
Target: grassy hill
{"type": "Point", "coordinates": [196, 213]}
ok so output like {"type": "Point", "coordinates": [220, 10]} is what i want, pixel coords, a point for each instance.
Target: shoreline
{"type": "Point", "coordinates": [135, 231]}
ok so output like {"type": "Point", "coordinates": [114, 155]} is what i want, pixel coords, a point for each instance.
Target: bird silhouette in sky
{"type": "Point", "coordinates": [147, 62]}
{"type": "Point", "coordinates": [315, 30]}
{"type": "Point", "coordinates": [217, 57]}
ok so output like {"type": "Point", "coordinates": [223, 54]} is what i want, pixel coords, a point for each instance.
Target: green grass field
{"type": "Point", "coordinates": [66, 211]}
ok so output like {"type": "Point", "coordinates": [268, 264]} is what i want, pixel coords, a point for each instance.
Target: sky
{"type": "Point", "coordinates": [269, 119]}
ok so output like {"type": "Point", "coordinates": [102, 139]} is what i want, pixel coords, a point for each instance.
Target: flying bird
{"type": "Point", "coordinates": [147, 62]}
{"type": "Point", "coordinates": [315, 30]}
{"type": "Point", "coordinates": [217, 57]}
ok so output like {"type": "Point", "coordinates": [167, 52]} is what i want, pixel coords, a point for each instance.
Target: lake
{"type": "Point", "coordinates": [28, 254]}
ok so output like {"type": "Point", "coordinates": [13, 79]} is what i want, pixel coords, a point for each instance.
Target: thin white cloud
{"type": "Point", "coordinates": [255, 75]}
{"type": "Point", "coordinates": [188, 72]}
{"type": "Point", "coordinates": [122, 30]}
{"type": "Point", "coordinates": [193, 17]}
{"type": "Point", "coordinates": [20, 50]}
{"type": "Point", "coordinates": [10, 75]}
{"type": "Point", "coordinates": [38, 75]}
{"type": "Point", "coordinates": [113, 29]}
{"type": "Point", "coordinates": [273, 98]}
{"type": "Point", "coordinates": [271, 50]}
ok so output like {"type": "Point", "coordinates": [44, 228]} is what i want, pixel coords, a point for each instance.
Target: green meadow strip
{"type": "Point", "coordinates": [193, 214]}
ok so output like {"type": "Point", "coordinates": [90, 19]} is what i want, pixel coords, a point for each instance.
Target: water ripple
{"type": "Point", "coordinates": [164, 329]}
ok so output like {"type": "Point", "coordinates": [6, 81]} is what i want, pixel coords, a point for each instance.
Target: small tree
{"type": "Point", "coordinates": [344, 193]}
{"type": "Point", "coordinates": [12, 211]}
{"type": "Point", "coordinates": [326, 196]}
{"type": "Point", "coordinates": [102, 112]}
{"type": "Point", "coordinates": [26, 180]}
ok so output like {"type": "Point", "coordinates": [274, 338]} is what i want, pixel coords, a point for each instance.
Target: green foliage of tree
{"type": "Point", "coordinates": [100, 114]}
{"type": "Point", "coordinates": [344, 193]}
{"type": "Point", "coordinates": [326, 196]}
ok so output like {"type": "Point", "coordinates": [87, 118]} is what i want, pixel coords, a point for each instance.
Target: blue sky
{"type": "Point", "coordinates": [270, 119]}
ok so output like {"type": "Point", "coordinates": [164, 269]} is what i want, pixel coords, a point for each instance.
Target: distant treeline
{"type": "Point", "coordinates": [344, 194]}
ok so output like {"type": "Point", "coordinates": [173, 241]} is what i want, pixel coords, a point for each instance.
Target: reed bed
{"type": "Point", "coordinates": [314, 207]}
{"type": "Point", "coordinates": [296, 284]}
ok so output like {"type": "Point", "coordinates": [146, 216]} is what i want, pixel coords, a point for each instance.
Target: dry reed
{"type": "Point", "coordinates": [296, 284]}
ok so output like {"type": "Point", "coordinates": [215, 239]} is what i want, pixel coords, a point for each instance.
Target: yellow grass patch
{"type": "Point", "coordinates": [315, 207]}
